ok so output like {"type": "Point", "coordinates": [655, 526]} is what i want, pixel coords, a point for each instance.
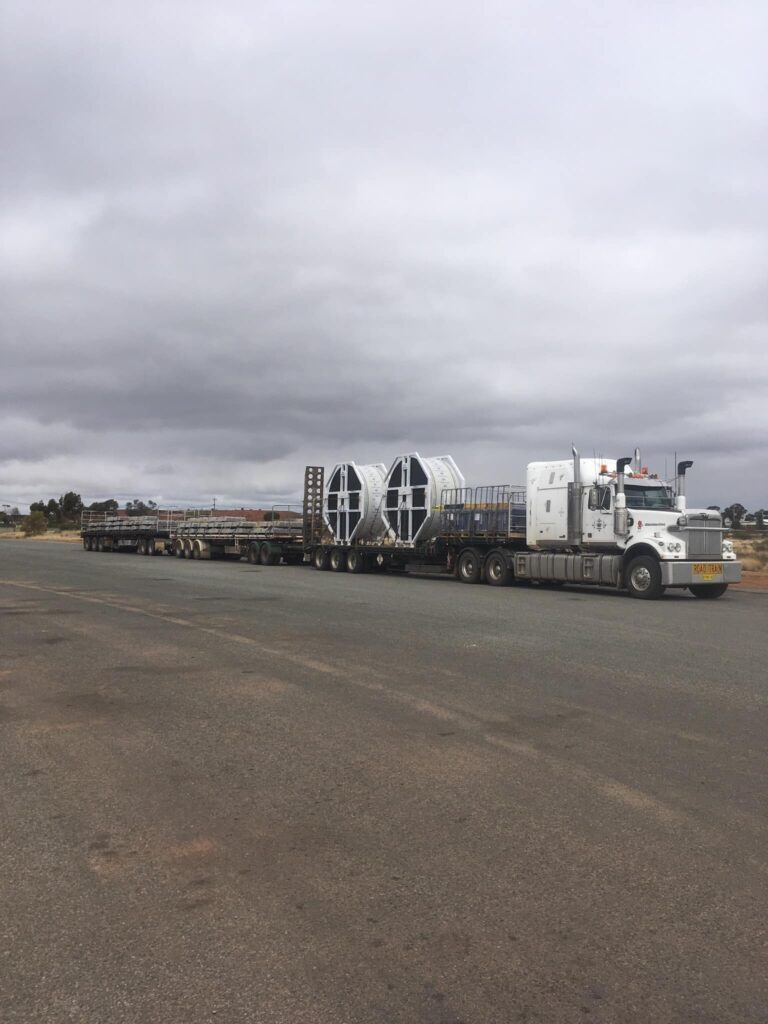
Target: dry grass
{"type": "Point", "coordinates": [753, 555]}
{"type": "Point", "coordinates": [752, 552]}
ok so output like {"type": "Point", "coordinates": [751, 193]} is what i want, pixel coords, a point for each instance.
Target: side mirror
{"type": "Point", "coordinates": [594, 498]}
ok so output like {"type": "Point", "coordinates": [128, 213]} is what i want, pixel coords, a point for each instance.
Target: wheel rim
{"type": "Point", "coordinates": [494, 569]}
{"type": "Point", "coordinates": [641, 578]}
{"type": "Point", "coordinates": [468, 568]}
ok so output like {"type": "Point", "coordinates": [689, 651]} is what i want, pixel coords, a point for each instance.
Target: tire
{"type": "Point", "coordinates": [187, 549]}
{"type": "Point", "coordinates": [178, 549]}
{"type": "Point", "coordinates": [197, 550]}
{"type": "Point", "coordinates": [320, 558]}
{"type": "Point", "coordinates": [268, 555]}
{"type": "Point", "coordinates": [356, 561]}
{"type": "Point", "coordinates": [708, 591]}
{"type": "Point", "coordinates": [99, 543]}
{"type": "Point", "coordinates": [253, 554]}
{"type": "Point", "coordinates": [338, 560]}
{"type": "Point", "coordinates": [498, 571]}
{"type": "Point", "coordinates": [469, 566]}
{"type": "Point", "coordinates": [86, 544]}
{"type": "Point", "coordinates": [151, 549]}
{"type": "Point", "coordinates": [643, 578]}
{"type": "Point", "coordinates": [141, 547]}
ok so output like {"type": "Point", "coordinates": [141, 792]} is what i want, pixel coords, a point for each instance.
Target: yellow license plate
{"type": "Point", "coordinates": [707, 571]}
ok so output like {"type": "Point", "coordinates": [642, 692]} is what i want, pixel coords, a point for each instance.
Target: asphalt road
{"type": "Point", "coordinates": [239, 794]}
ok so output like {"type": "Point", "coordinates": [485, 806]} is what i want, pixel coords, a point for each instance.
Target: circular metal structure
{"type": "Point", "coordinates": [353, 501]}
{"type": "Point", "coordinates": [414, 488]}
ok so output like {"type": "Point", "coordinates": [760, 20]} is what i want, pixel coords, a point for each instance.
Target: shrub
{"type": "Point", "coordinates": [34, 524]}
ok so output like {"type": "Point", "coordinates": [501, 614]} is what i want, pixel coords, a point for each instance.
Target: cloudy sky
{"type": "Point", "coordinates": [236, 238]}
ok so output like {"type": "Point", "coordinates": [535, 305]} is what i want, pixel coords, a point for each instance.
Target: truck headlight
{"type": "Point", "coordinates": [727, 547]}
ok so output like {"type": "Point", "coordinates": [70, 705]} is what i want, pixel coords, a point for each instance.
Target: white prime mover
{"type": "Point", "coordinates": [597, 520]}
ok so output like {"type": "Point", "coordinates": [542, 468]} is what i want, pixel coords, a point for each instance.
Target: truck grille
{"type": "Point", "coordinates": [705, 538]}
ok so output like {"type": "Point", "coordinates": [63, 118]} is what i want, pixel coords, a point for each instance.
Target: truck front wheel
{"type": "Point", "coordinates": [708, 591]}
{"type": "Point", "coordinates": [644, 578]}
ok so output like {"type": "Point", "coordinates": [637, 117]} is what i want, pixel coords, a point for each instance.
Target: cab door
{"type": "Point", "coordinates": [598, 516]}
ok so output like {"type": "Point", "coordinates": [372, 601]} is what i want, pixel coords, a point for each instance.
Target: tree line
{"type": "Point", "coordinates": [64, 512]}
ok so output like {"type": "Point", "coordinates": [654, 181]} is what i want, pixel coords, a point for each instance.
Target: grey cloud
{"type": "Point", "coordinates": [234, 241]}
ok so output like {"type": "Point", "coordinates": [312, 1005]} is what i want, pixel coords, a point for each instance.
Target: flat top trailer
{"type": "Point", "coordinates": [196, 534]}
{"type": "Point", "coordinates": [477, 528]}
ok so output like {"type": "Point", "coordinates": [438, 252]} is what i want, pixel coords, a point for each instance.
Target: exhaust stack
{"type": "Point", "coordinates": [620, 525]}
{"type": "Point", "coordinates": [680, 496]}
{"type": "Point", "coordinates": [575, 526]}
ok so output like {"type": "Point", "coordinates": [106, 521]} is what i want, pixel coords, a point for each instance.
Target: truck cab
{"type": "Point", "coordinates": [639, 522]}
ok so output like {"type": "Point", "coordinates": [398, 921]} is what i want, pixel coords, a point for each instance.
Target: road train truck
{"type": "Point", "coordinates": [598, 522]}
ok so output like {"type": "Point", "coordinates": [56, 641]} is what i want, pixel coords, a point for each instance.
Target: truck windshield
{"type": "Point", "coordinates": [648, 497]}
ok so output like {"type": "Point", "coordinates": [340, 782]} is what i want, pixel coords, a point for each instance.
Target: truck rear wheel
{"type": "Point", "coordinates": [469, 566]}
{"type": "Point", "coordinates": [338, 560]}
{"type": "Point", "coordinates": [644, 578]}
{"type": "Point", "coordinates": [356, 561]}
{"type": "Point", "coordinates": [498, 571]}
{"type": "Point", "coordinates": [320, 558]}
{"type": "Point", "coordinates": [708, 591]}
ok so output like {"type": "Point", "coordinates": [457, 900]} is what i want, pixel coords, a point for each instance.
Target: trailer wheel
{"type": "Point", "coordinates": [270, 555]}
{"type": "Point", "coordinates": [644, 578]}
{"type": "Point", "coordinates": [178, 548]}
{"type": "Point", "coordinates": [708, 591]}
{"type": "Point", "coordinates": [99, 543]}
{"type": "Point", "coordinates": [86, 544]}
{"type": "Point", "coordinates": [469, 566]}
{"type": "Point", "coordinates": [253, 554]}
{"type": "Point", "coordinates": [141, 546]}
{"type": "Point", "coordinates": [356, 561]}
{"type": "Point", "coordinates": [498, 571]}
{"type": "Point", "coordinates": [151, 549]}
{"type": "Point", "coordinates": [320, 558]}
{"type": "Point", "coordinates": [338, 560]}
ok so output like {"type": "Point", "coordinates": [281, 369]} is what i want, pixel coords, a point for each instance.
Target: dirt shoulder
{"type": "Point", "coordinates": [67, 536]}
